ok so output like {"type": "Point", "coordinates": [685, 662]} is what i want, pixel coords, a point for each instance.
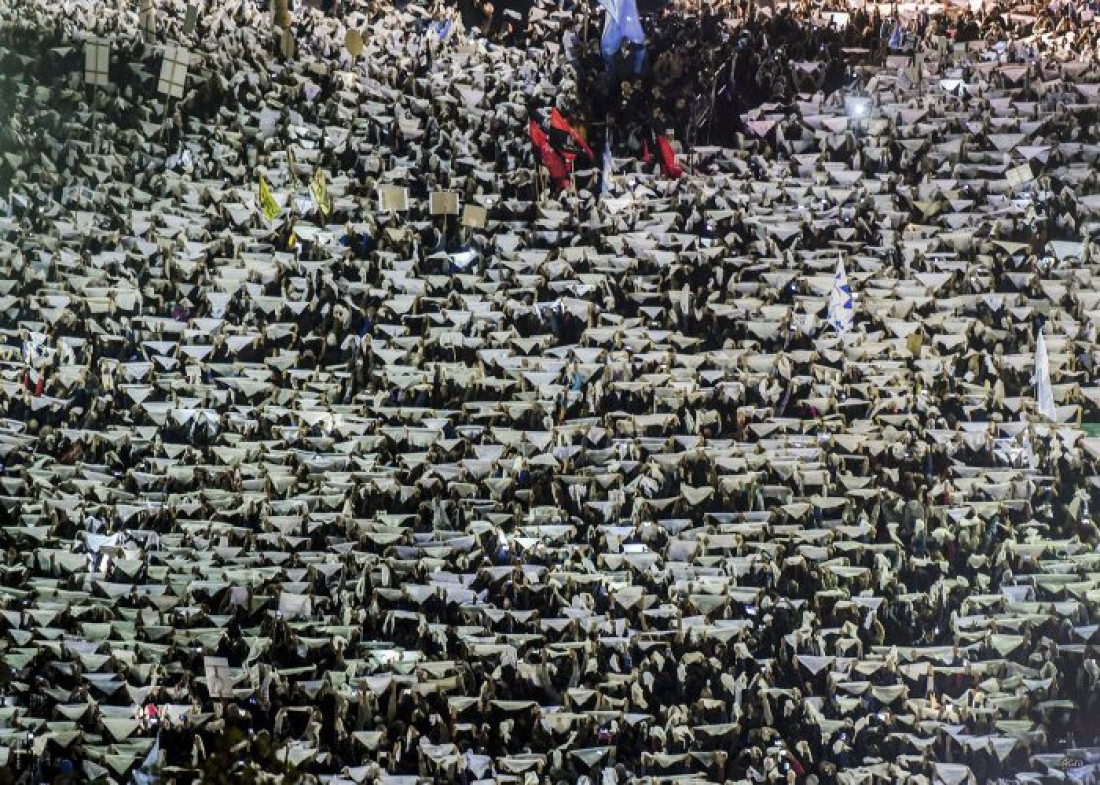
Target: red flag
{"type": "Point", "coordinates": [669, 166]}
{"type": "Point", "coordinates": [551, 159]}
{"type": "Point", "coordinates": [561, 124]}
{"type": "Point", "coordinates": [538, 136]}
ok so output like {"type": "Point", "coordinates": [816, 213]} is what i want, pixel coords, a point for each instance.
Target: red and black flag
{"type": "Point", "coordinates": [551, 158]}
{"type": "Point", "coordinates": [572, 141]}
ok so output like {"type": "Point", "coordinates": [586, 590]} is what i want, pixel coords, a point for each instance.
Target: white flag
{"type": "Point", "coordinates": [1044, 395]}
{"type": "Point", "coordinates": [841, 307]}
{"type": "Point", "coordinates": [605, 174]}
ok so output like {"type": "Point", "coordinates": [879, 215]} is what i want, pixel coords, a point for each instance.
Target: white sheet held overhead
{"type": "Point", "coordinates": [841, 304]}
{"type": "Point", "coordinates": [1044, 395]}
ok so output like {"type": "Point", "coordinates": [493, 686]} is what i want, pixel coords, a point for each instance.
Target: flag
{"type": "Point", "coordinates": [319, 190]}
{"type": "Point", "coordinates": [551, 158]}
{"type": "Point", "coordinates": [1044, 395]}
{"type": "Point", "coordinates": [622, 22]}
{"type": "Point", "coordinates": [606, 171]}
{"type": "Point", "coordinates": [841, 306]}
{"type": "Point", "coordinates": [897, 39]}
{"type": "Point", "coordinates": [268, 206]}
{"type": "Point", "coordinates": [291, 164]}
{"type": "Point", "coordinates": [148, 773]}
{"type": "Point", "coordinates": [561, 124]}
{"type": "Point", "coordinates": [669, 166]}
{"type": "Point", "coordinates": [441, 29]}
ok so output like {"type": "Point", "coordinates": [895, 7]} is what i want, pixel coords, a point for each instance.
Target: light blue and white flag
{"type": "Point", "coordinates": [897, 37]}
{"type": "Point", "coordinates": [622, 22]}
{"type": "Point", "coordinates": [148, 773]}
{"type": "Point", "coordinates": [1044, 395]}
{"type": "Point", "coordinates": [605, 171]}
{"type": "Point", "coordinates": [841, 304]}
{"type": "Point", "coordinates": [441, 29]}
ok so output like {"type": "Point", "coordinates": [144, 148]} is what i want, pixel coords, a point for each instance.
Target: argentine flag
{"type": "Point", "coordinates": [605, 172]}
{"type": "Point", "coordinates": [622, 22]}
{"type": "Point", "coordinates": [148, 773]}
{"type": "Point", "coordinates": [897, 38]}
{"type": "Point", "coordinates": [841, 305]}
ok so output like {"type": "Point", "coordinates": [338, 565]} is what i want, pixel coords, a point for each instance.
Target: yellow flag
{"type": "Point", "coordinates": [268, 205]}
{"type": "Point", "coordinates": [319, 189]}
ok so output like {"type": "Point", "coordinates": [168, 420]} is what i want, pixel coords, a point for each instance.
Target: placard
{"type": "Point", "coordinates": [173, 71]}
{"type": "Point", "coordinates": [443, 203]}
{"type": "Point", "coordinates": [393, 198]}
{"type": "Point", "coordinates": [97, 58]}
{"type": "Point", "coordinates": [474, 216]}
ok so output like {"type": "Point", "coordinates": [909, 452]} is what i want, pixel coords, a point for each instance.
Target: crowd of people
{"type": "Point", "coordinates": [705, 66]}
{"type": "Point", "coordinates": [342, 445]}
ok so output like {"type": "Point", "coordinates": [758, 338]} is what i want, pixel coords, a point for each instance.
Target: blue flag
{"type": "Point", "coordinates": [148, 773]}
{"type": "Point", "coordinates": [442, 29]}
{"type": "Point", "coordinates": [896, 37]}
{"type": "Point", "coordinates": [841, 303]}
{"type": "Point", "coordinates": [622, 22]}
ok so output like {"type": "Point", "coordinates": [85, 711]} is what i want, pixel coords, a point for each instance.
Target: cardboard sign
{"type": "Point", "coordinates": [443, 203]}
{"type": "Point", "coordinates": [393, 199]}
{"type": "Point", "coordinates": [353, 42]}
{"type": "Point", "coordinates": [173, 71]}
{"type": "Point", "coordinates": [97, 58]}
{"type": "Point", "coordinates": [474, 216]}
